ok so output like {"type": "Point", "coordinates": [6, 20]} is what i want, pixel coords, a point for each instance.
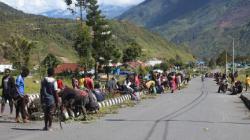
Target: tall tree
{"type": "Point", "coordinates": [100, 31]}
{"type": "Point", "coordinates": [17, 50]}
{"type": "Point", "coordinates": [81, 4]}
{"type": "Point", "coordinates": [83, 46]}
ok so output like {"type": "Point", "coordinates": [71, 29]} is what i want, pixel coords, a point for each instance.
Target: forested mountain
{"type": "Point", "coordinates": [56, 36]}
{"type": "Point", "coordinates": [207, 26]}
{"type": "Point", "coordinates": [110, 11]}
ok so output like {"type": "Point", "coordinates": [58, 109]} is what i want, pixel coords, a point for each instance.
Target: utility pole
{"type": "Point", "coordinates": [226, 63]}
{"type": "Point", "coordinates": [233, 57]}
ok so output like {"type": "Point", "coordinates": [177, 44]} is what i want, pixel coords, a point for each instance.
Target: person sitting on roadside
{"type": "Point", "coordinates": [112, 85]}
{"type": "Point", "coordinates": [150, 85]}
{"type": "Point", "coordinates": [75, 83]}
{"type": "Point", "coordinates": [100, 96]}
{"type": "Point", "coordinates": [127, 85]}
{"type": "Point", "coordinates": [8, 83]}
{"type": "Point", "coordinates": [223, 85]}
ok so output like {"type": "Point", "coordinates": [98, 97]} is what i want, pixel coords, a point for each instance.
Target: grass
{"type": "Point", "coordinates": [242, 75]}
{"type": "Point", "coordinates": [32, 85]}
{"type": "Point", "coordinates": [102, 112]}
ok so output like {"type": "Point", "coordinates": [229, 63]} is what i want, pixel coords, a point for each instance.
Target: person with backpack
{"type": "Point", "coordinates": [8, 83]}
{"type": "Point", "coordinates": [19, 97]}
{"type": "Point", "coordinates": [49, 98]}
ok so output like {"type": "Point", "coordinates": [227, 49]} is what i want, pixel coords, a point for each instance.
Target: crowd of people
{"type": "Point", "coordinates": [54, 93]}
{"type": "Point", "coordinates": [229, 83]}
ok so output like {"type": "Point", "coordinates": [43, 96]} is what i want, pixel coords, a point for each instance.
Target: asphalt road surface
{"type": "Point", "coordinates": [195, 113]}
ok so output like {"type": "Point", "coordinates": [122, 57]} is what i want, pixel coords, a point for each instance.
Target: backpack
{"type": "Point", "coordinates": [47, 93]}
{"type": "Point", "coordinates": [13, 91]}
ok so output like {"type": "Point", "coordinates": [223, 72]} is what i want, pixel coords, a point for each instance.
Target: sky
{"type": "Point", "coordinates": [39, 6]}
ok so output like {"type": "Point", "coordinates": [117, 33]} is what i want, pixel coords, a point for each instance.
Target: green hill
{"type": "Point", "coordinates": [154, 46]}
{"type": "Point", "coordinates": [56, 35]}
{"type": "Point", "coordinates": [207, 26]}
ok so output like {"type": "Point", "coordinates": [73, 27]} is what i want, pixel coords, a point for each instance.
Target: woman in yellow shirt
{"type": "Point", "coordinates": [247, 81]}
{"type": "Point", "coordinates": [81, 83]}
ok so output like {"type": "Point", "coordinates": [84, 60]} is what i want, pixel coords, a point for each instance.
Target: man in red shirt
{"type": "Point", "coordinates": [89, 82]}
{"type": "Point", "coordinates": [60, 84]}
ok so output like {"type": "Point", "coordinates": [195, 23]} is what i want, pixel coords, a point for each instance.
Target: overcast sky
{"type": "Point", "coordinates": [38, 6]}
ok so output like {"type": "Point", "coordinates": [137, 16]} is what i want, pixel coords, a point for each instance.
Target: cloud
{"type": "Point", "coordinates": [121, 2]}
{"type": "Point", "coordinates": [38, 6]}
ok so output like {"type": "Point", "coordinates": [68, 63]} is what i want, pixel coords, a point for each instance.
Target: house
{"type": "Point", "coordinates": [153, 62]}
{"type": "Point", "coordinates": [135, 64]}
{"type": "Point", "coordinates": [68, 67]}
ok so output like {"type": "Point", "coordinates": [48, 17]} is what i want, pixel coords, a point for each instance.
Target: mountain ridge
{"type": "Point", "coordinates": [204, 26]}
{"type": "Point", "coordinates": [56, 35]}
{"type": "Point", "coordinates": [110, 11]}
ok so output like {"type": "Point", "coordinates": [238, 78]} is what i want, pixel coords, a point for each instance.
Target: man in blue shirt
{"type": "Point", "coordinates": [20, 101]}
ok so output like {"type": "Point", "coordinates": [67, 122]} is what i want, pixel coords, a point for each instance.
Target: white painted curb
{"type": "Point", "coordinates": [105, 103]}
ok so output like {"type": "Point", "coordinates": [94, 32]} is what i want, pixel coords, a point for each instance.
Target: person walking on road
{"type": "Point", "coordinates": [49, 98]}
{"type": "Point", "coordinates": [20, 100]}
{"type": "Point", "coordinates": [247, 82]}
{"type": "Point", "coordinates": [8, 83]}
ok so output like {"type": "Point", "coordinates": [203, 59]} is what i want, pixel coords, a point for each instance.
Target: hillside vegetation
{"type": "Point", "coordinates": [207, 26]}
{"type": "Point", "coordinates": [56, 36]}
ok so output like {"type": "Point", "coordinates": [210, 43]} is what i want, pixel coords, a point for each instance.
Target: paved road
{"type": "Point", "coordinates": [195, 113]}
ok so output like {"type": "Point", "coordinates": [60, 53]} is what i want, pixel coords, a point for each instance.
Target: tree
{"type": "Point", "coordinates": [132, 52]}
{"type": "Point", "coordinates": [142, 70]}
{"type": "Point", "coordinates": [221, 59]}
{"type": "Point", "coordinates": [81, 4]}
{"type": "Point", "coordinates": [101, 35]}
{"type": "Point", "coordinates": [212, 63]}
{"type": "Point", "coordinates": [83, 46]}
{"type": "Point", "coordinates": [164, 66]}
{"type": "Point", "coordinates": [17, 51]}
{"type": "Point", "coordinates": [109, 53]}
{"type": "Point", "coordinates": [50, 61]}
{"type": "Point", "coordinates": [176, 62]}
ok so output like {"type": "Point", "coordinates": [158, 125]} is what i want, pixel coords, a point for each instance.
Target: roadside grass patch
{"type": "Point", "coordinates": [91, 117]}
{"type": "Point", "coordinates": [149, 96]}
